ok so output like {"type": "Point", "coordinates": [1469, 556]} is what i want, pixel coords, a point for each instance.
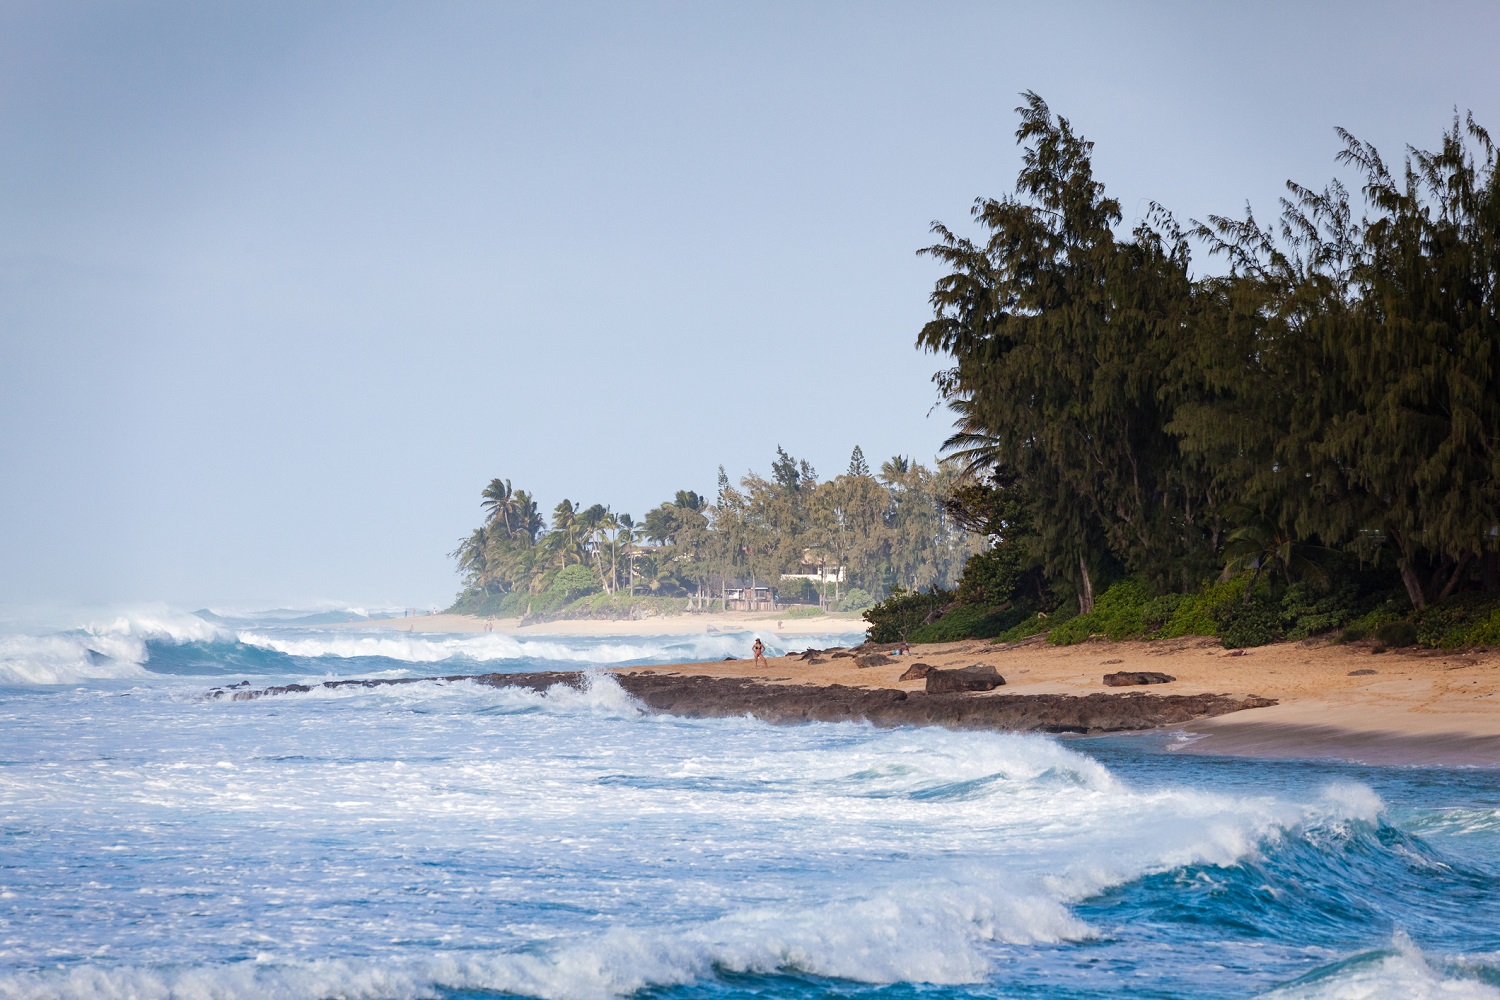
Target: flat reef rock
{"type": "Point", "coordinates": [979, 677]}
{"type": "Point", "coordinates": [1127, 678]}
{"type": "Point", "coordinates": [699, 696]}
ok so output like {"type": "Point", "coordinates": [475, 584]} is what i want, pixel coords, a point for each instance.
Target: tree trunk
{"type": "Point", "coordinates": [1413, 586]}
{"type": "Point", "coordinates": [1458, 572]}
{"type": "Point", "coordinates": [1086, 588]}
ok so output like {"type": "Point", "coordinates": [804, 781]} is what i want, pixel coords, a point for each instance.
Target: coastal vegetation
{"type": "Point", "coordinates": [1303, 442]}
{"type": "Point", "coordinates": [835, 545]}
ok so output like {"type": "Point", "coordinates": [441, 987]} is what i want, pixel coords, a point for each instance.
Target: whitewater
{"type": "Point", "coordinates": [451, 840]}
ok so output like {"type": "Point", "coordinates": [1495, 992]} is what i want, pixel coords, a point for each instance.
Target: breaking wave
{"type": "Point", "coordinates": [138, 646]}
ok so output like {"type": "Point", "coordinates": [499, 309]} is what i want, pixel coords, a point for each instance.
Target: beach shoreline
{"type": "Point", "coordinates": [1344, 702]}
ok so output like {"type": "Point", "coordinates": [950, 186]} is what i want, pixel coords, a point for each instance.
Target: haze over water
{"type": "Point", "coordinates": [450, 840]}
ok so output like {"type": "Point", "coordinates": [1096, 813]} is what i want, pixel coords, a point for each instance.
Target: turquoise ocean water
{"type": "Point", "coordinates": [454, 841]}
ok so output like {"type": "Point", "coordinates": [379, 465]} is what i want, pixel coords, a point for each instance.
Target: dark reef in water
{"type": "Point", "coordinates": [699, 696]}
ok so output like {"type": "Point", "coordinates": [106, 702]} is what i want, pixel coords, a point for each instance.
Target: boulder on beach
{"type": "Point", "coordinates": [872, 660]}
{"type": "Point", "coordinates": [916, 672]}
{"type": "Point", "coordinates": [979, 677]}
{"type": "Point", "coordinates": [1130, 678]}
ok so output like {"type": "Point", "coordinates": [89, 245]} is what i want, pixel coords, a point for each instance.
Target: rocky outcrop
{"type": "Point", "coordinates": [699, 696]}
{"type": "Point", "coordinates": [979, 677]}
{"type": "Point", "coordinates": [872, 660]}
{"type": "Point", "coordinates": [1130, 678]}
{"type": "Point", "coordinates": [916, 672]}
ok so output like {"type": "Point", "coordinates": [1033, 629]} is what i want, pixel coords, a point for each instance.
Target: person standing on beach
{"type": "Point", "coordinates": [760, 650]}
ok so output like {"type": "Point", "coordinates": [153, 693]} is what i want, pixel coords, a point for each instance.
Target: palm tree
{"type": "Point", "coordinates": [562, 541]}
{"type": "Point", "coordinates": [498, 503]}
{"type": "Point", "coordinates": [1260, 543]}
{"type": "Point", "coordinates": [473, 556]}
{"type": "Point", "coordinates": [627, 535]}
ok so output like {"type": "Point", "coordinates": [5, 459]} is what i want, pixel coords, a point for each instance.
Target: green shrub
{"type": "Point", "coordinates": [1243, 625]}
{"type": "Point", "coordinates": [1397, 634]}
{"type": "Point", "coordinates": [571, 583]}
{"type": "Point", "coordinates": [1470, 619]}
{"type": "Point", "coordinates": [970, 622]}
{"type": "Point", "coordinates": [1195, 612]}
{"type": "Point", "coordinates": [903, 612]}
{"type": "Point", "coordinates": [990, 577]}
{"type": "Point", "coordinates": [855, 600]}
{"type": "Point", "coordinates": [1119, 613]}
{"type": "Point", "coordinates": [1462, 620]}
{"type": "Point", "coordinates": [1305, 611]}
{"type": "Point", "coordinates": [488, 605]}
{"type": "Point", "coordinates": [1039, 622]}
{"type": "Point", "coordinates": [803, 612]}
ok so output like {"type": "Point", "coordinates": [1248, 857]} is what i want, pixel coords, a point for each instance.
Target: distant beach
{"type": "Point", "coordinates": [686, 624]}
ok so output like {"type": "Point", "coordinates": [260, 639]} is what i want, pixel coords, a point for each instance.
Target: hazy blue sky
{"type": "Point", "coordinates": [282, 286]}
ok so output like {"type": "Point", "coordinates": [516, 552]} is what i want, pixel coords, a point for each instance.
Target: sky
{"type": "Point", "coordinates": [284, 285]}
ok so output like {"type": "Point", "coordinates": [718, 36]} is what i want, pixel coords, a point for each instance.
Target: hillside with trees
{"type": "Point", "coordinates": [1302, 443]}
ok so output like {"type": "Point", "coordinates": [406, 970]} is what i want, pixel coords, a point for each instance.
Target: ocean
{"type": "Point", "coordinates": [449, 840]}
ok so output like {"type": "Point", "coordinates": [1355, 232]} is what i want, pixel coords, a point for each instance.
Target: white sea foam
{"type": "Point", "coordinates": [1400, 973]}
{"type": "Point", "coordinates": [600, 696]}
{"type": "Point", "coordinates": [1000, 834]}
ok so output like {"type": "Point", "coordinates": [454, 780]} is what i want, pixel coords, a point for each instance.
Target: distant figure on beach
{"type": "Point", "coordinates": [760, 651]}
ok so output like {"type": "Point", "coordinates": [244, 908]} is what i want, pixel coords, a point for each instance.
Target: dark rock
{"type": "Point", "coordinates": [814, 659]}
{"type": "Point", "coordinates": [1364, 672]}
{"type": "Point", "coordinates": [728, 658]}
{"type": "Point", "coordinates": [872, 660]}
{"type": "Point", "coordinates": [916, 672]}
{"type": "Point", "coordinates": [808, 654]}
{"type": "Point", "coordinates": [699, 696]}
{"type": "Point", "coordinates": [980, 677]}
{"type": "Point", "coordinates": [842, 652]}
{"type": "Point", "coordinates": [1112, 662]}
{"type": "Point", "coordinates": [1129, 678]}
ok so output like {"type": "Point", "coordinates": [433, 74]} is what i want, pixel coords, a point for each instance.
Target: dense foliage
{"type": "Point", "coordinates": [1317, 424]}
{"type": "Point", "coordinates": [885, 529]}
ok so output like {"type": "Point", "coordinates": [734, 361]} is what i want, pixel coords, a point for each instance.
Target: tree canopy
{"type": "Point", "coordinates": [863, 531]}
{"type": "Point", "coordinates": [1336, 390]}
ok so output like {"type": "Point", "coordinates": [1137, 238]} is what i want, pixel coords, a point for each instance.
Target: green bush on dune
{"type": "Point", "coordinates": [1223, 610]}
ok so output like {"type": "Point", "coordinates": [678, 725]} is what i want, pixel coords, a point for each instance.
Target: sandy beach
{"type": "Point", "coordinates": [1402, 706]}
